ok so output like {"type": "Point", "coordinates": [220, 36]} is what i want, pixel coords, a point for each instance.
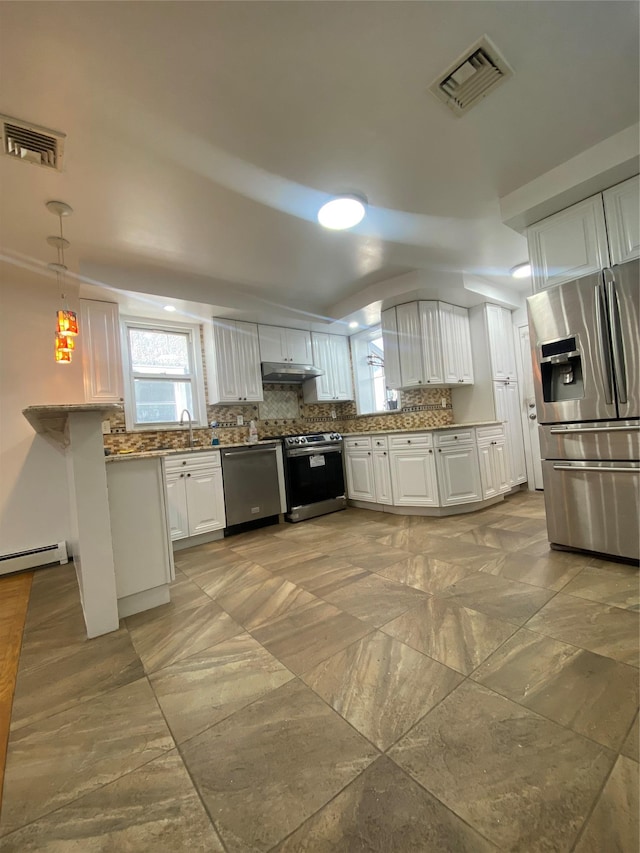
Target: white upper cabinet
{"type": "Point", "coordinates": [233, 362]}
{"type": "Point", "coordinates": [278, 345]}
{"type": "Point", "coordinates": [502, 351]}
{"type": "Point", "coordinates": [389, 325]}
{"type": "Point", "coordinates": [100, 342]}
{"type": "Point", "coordinates": [587, 237]}
{"type": "Point", "coordinates": [434, 343]}
{"type": "Point", "coordinates": [622, 211]}
{"type": "Point", "coordinates": [330, 354]}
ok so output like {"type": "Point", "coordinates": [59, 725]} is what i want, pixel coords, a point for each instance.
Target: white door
{"type": "Point", "coordinates": [225, 345]}
{"type": "Point", "coordinates": [449, 343]}
{"type": "Point", "coordinates": [382, 476]}
{"type": "Point", "coordinates": [508, 411]}
{"type": "Point", "coordinates": [458, 475]}
{"type": "Point", "coordinates": [248, 362]}
{"type": "Point", "coordinates": [273, 344]}
{"type": "Point", "coordinates": [299, 346]}
{"type": "Point", "coordinates": [622, 210]}
{"type": "Point", "coordinates": [323, 386]}
{"type": "Point", "coordinates": [341, 367]}
{"type": "Point", "coordinates": [360, 484]}
{"type": "Point", "coordinates": [177, 505]}
{"type": "Point", "coordinates": [501, 349]}
{"type": "Point", "coordinates": [205, 500]}
{"type": "Point", "coordinates": [410, 343]}
{"type": "Point", "coordinates": [413, 478]}
{"type": "Point", "coordinates": [431, 343]}
{"type": "Point", "coordinates": [391, 346]}
{"type": "Point", "coordinates": [487, 470]}
{"type": "Point", "coordinates": [100, 343]}
{"type": "Point", "coordinates": [463, 345]}
{"type": "Point", "coordinates": [529, 415]}
{"type": "Point", "coordinates": [569, 244]}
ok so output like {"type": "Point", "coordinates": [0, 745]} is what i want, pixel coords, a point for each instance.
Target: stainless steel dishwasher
{"type": "Point", "coordinates": [251, 489]}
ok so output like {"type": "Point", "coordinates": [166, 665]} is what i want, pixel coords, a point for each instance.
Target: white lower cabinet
{"type": "Point", "coordinates": [360, 483]}
{"type": "Point", "coordinates": [382, 477]}
{"type": "Point", "coordinates": [413, 477]}
{"type": "Point", "coordinates": [458, 474]}
{"type": "Point", "coordinates": [494, 464]}
{"type": "Point", "coordinates": [195, 495]}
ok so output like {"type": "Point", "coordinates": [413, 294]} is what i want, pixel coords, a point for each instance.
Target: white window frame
{"type": "Point", "coordinates": [363, 373]}
{"type": "Point", "coordinates": [196, 377]}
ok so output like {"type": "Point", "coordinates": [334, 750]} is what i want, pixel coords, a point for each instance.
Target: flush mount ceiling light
{"type": "Point", "coordinates": [521, 270]}
{"type": "Point", "coordinates": [342, 212]}
{"type": "Point", "coordinates": [353, 324]}
{"type": "Point", "coordinates": [169, 308]}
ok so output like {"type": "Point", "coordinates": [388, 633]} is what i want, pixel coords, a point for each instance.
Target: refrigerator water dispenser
{"type": "Point", "coordinates": [561, 371]}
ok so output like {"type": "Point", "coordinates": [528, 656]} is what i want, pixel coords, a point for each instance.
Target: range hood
{"type": "Point", "coordinates": [288, 374]}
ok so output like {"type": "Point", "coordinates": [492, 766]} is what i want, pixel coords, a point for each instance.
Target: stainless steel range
{"type": "Point", "coordinates": [314, 475]}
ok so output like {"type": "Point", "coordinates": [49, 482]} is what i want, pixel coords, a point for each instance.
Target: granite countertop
{"type": "Point", "coordinates": [174, 451]}
{"type": "Point", "coordinates": [467, 425]}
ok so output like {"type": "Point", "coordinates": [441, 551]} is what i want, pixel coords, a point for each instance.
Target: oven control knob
{"type": "Point", "coordinates": [296, 440]}
{"type": "Point", "coordinates": [303, 440]}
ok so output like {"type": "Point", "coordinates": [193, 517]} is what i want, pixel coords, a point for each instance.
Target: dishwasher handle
{"type": "Point", "coordinates": [249, 452]}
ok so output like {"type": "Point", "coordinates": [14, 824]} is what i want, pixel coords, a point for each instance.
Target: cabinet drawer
{"type": "Point", "coordinates": [424, 439]}
{"type": "Point", "coordinates": [192, 460]}
{"type": "Point", "coordinates": [379, 442]}
{"type": "Point", "coordinates": [447, 439]}
{"type": "Point", "coordinates": [359, 442]}
{"type": "Point", "coordinates": [484, 434]}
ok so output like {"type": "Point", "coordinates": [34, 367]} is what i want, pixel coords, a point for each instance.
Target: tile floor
{"type": "Point", "coordinates": [358, 682]}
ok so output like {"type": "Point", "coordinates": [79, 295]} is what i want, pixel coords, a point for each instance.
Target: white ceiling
{"type": "Point", "coordinates": [202, 137]}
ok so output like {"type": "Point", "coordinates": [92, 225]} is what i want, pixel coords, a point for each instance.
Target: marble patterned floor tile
{"type": "Point", "coordinates": [264, 601]}
{"type": "Point", "coordinates": [99, 665]}
{"type": "Point", "coordinates": [518, 524]}
{"type": "Point", "coordinates": [54, 639]}
{"type": "Point", "coordinates": [267, 768]}
{"type": "Point", "coordinates": [227, 578]}
{"type": "Point", "coordinates": [455, 636]}
{"type": "Point", "coordinates": [614, 825]}
{"type": "Point", "coordinates": [342, 545]}
{"type": "Point", "coordinates": [331, 580]}
{"type": "Point", "coordinates": [198, 691]}
{"type": "Point", "coordinates": [454, 550]}
{"type": "Point", "coordinates": [78, 750]}
{"type": "Point", "coordinates": [411, 820]}
{"type": "Point", "coordinates": [372, 556]}
{"type": "Point", "coordinates": [152, 808]}
{"type": "Point", "coordinates": [166, 634]}
{"type": "Point", "coordinates": [551, 572]}
{"type": "Point", "coordinates": [381, 686]}
{"type": "Point", "coordinates": [496, 537]}
{"type": "Point", "coordinates": [190, 561]}
{"type": "Point", "coordinates": [593, 695]}
{"type": "Point", "coordinates": [426, 573]}
{"type": "Point", "coordinates": [275, 552]}
{"type": "Point", "coordinates": [631, 745]}
{"type": "Point", "coordinates": [54, 595]}
{"type": "Point", "coordinates": [600, 628]}
{"type": "Point", "coordinates": [310, 567]}
{"type": "Point", "coordinates": [499, 597]}
{"type": "Point", "coordinates": [608, 583]}
{"type": "Point", "coordinates": [523, 782]}
{"type": "Point", "coordinates": [375, 599]}
{"type": "Point", "coordinates": [310, 634]}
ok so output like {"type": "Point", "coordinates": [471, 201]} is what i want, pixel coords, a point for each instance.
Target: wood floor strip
{"type": "Point", "coordinates": [14, 599]}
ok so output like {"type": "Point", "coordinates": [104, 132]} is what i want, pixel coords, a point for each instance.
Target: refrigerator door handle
{"type": "Point", "coordinates": [603, 343]}
{"type": "Point", "coordinates": [573, 430]}
{"type": "Point", "coordinates": [619, 371]}
{"type": "Point", "coordinates": [601, 469]}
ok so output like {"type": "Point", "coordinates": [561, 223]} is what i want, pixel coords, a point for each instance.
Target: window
{"type": "Point", "coordinates": [372, 395]}
{"type": "Point", "coordinates": [163, 367]}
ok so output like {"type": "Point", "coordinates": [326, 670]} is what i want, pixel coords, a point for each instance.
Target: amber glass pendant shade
{"type": "Point", "coordinates": [63, 356]}
{"type": "Point", "coordinates": [67, 322]}
{"type": "Point", "coordinates": [65, 343]}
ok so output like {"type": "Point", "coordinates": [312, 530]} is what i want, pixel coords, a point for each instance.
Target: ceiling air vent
{"type": "Point", "coordinates": [471, 77]}
{"type": "Point", "coordinates": [32, 143]}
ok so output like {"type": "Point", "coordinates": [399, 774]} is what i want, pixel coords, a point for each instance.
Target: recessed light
{"type": "Point", "coordinates": [342, 212]}
{"type": "Point", "coordinates": [169, 308]}
{"type": "Point", "coordinates": [521, 270]}
{"type": "Point", "coordinates": [353, 324]}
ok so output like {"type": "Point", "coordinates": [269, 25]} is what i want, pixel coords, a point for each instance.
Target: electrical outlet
{"type": "Point", "coordinates": [239, 420]}
{"type": "Point", "coordinates": [333, 414]}
{"type": "Point", "coordinates": [106, 427]}
{"type": "Point", "coordinates": [443, 402]}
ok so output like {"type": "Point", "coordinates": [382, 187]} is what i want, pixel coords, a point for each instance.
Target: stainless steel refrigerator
{"type": "Point", "coordinates": [585, 348]}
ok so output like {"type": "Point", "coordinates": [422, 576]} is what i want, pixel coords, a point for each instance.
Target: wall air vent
{"type": "Point", "coordinates": [31, 143]}
{"type": "Point", "coordinates": [471, 77]}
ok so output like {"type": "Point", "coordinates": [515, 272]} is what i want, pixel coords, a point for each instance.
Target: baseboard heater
{"type": "Point", "coordinates": [34, 558]}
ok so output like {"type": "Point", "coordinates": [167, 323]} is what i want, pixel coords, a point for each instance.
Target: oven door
{"type": "Point", "coordinates": [314, 474]}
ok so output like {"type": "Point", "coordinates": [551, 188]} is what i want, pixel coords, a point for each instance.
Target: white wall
{"type": "Point", "coordinates": [33, 478]}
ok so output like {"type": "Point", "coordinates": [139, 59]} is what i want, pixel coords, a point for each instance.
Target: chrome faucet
{"type": "Point", "coordinates": [188, 414]}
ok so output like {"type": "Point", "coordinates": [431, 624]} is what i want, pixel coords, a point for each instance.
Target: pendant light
{"type": "Point", "coordinates": [67, 320]}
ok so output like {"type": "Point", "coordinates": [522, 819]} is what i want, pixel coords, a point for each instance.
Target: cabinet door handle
{"type": "Point", "coordinates": [384, 453]}
{"type": "Point", "coordinates": [368, 453]}
{"type": "Point", "coordinates": [439, 450]}
{"type": "Point", "coordinates": [184, 463]}
{"type": "Point", "coordinates": [188, 475]}
{"type": "Point", "coordinates": [182, 475]}
{"type": "Point", "coordinates": [408, 441]}
{"type": "Point", "coordinates": [431, 451]}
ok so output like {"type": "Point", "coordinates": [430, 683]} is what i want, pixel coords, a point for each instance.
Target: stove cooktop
{"type": "Point", "coordinates": [311, 438]}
